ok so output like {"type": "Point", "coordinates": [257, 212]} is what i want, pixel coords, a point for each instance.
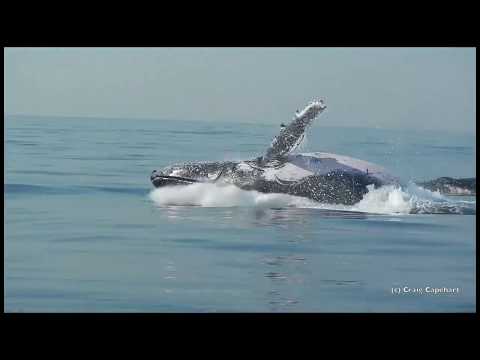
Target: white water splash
{"type": "Point", "coordinates": [385, 200]}
{"type": "Point", "coordinates": [213, 195]}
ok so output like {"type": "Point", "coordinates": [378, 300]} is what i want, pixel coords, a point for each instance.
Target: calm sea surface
{"type": "Point", "coordinates": [83, 234]}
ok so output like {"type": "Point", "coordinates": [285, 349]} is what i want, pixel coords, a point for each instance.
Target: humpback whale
{"type": "Point", "coordinates": [451, 186]}
{"type": "Point", "coordinates": [320, 176]}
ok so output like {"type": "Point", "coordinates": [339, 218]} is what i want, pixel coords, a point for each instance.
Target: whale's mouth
{"type": "Point", "coordinates": [166, 180]}
{"type": "Point", "coordinates": [171, 176]}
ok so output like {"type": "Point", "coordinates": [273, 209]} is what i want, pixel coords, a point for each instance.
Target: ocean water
{"type": "Point", "coordinates": [86, 232]}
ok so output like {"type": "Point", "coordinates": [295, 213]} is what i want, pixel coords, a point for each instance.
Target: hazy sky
{"type": "Point", "coordinates": [376, 87]}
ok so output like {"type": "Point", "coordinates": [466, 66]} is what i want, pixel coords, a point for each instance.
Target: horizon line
{"type": "Point", "coordinates": [93, 117]}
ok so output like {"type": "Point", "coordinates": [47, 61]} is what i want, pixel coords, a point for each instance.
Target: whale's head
{"type": "Point", "coordinates": [189, 173]}
{"type": "Point", "coordinates": [172, 175]}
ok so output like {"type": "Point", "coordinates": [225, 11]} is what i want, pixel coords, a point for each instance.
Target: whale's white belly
{"type": "Point", "coordinates": [299, 166]}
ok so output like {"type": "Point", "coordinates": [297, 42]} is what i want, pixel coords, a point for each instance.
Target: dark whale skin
{"type": "Point", "coordinates": [451, 186]}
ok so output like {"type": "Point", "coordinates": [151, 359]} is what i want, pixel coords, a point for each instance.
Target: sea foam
{"type": "Point", "coordinates": [388, 199]}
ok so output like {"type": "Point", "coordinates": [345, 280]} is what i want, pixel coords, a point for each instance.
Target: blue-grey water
{"type": "Point", "coordinates": [83, 232]}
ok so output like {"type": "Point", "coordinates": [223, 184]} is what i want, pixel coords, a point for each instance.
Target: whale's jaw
{"type": "Point", "coordinates": [161, 180]}
{"type": "Point", "coordinates": [189, 173]}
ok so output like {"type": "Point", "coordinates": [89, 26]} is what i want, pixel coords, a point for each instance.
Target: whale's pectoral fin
{"type": "Point", "coordinates": [291, 136]}
{"type": "Point", "coordinates": [219, 175]}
